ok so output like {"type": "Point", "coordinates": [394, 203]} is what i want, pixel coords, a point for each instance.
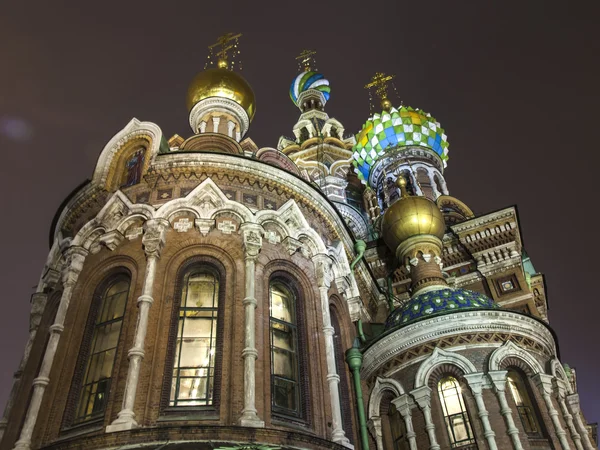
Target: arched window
{"type": "Point", "coordinates": [455, 413]}
{"type": "Point", "coordinates": [285, 373]}
{"type": "Point", "coordinates": [524, 407]}
{"type": "Point", "coordinates": [192, 382]}
{"type": "Point", "coordinates": [398, 429]}
{"type": "Point", "coordinates": [100, 347]}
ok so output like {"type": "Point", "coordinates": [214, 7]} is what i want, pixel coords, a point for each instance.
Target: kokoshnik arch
{"type": "Point", "coordinates": [329, 293]}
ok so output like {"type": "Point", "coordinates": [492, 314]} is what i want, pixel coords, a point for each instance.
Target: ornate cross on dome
{"type": "Point", "coordinates": [306, 60]}
{"type": "Point", "coordinates": [225, 46]}
{"type": "Point", "coordinates": [380, 83]}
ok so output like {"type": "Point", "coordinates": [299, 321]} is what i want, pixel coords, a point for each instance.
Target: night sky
{"type": "Point", "coordinates": [514, 83]}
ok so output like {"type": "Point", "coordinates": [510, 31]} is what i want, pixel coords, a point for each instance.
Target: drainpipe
{"type": "Point", "coordinates": [354, 360]}
{"type": "Point", "coordinates": [361, 333]}
{"type": "Point", "coordinates": [359, 247]}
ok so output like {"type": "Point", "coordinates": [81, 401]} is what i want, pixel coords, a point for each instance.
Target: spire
{"type": "Point", "coordinates": [226, 46]}
{"type": "Point", "coordinates": [379, 83]}
{"type": "Point", "coordinates": [306, 61]}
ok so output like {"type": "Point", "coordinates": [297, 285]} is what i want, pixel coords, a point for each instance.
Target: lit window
{"type": "Point", "coordinates": [398, 429]}
{"type": "Point", "coordinates": [521, 398]}
{"type": "Point", "coordinates": [194, 364]}
{"type": "Point", "coordinates": [285, 384]}
{"type": "Point", "coordinates": [102, 351]}
{"type": "Point", "coordinates": [455, 413]}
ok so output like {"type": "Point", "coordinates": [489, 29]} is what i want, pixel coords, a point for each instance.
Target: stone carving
{"type": "Point", "coordinates": [227, 226]}
{"type": "Point", "coordinates": [183, 225]}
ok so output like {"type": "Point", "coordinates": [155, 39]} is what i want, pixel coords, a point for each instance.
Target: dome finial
{"type": "Point", "coordinates": [379, 82]}
{"type": "Point", "coordinates": [306, 61]}
{"type": "Point", "coordinates": [223, 46]}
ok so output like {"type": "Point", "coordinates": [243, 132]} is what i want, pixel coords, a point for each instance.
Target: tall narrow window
{"type": "Point", "coordinates": [521, 398]}
{"type": "Point", "coordinates": [194, 366]}
{"type": "Point", "coordinates": [398, 429]}
{"type": "Point", "coordinates": [455, 413]}
{"type": "Point", "coordinates": [103, 349]}
{"type": "Point", "coordinates": [285, 386]}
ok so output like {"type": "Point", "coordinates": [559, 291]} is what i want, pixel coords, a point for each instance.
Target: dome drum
{"type": "Point", "coordinates": [212, 107]}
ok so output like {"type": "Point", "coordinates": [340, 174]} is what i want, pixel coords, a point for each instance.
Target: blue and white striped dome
{"type": "Point", "coordinates": [309, 80]}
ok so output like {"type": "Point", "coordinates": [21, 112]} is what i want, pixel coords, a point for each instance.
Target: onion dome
{"type": "Point", "coordinates": [438, 302]}
{"type": "Point", "coordinates": [309, 80]}
{"type": "Point", "coordinates": [411, 216]}
{"type": "Point", "coordinates": [222, 83]}
{"type": "Point", "coordinates": [393, 129]}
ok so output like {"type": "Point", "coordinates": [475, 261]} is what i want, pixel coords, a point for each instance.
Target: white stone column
{"type": "Point", "coordinates": [422, 397]}
{"type": "Point", "coordinates": [544, 383]}
{"type": "Point", "coordinates": [203, 127]}
{"type": "Point", "coordinates": [153, 241]}
{"type": "Point", "coordinates": [238, 136]}
{"type": "Point", "coordinates": [567, 416]}
{"type": "Point", "coordinates": [230, 128]}
{"type": "Point", "coordinates": [498, 379]}
{"type": "Point", "coordinates": [374, 424]}
{"type": "Point", "coordinates": [404, 405]}
{"type": "Point", "coordinates": [324, 274]}
{"type": "Point", "coordinates": [216, 121]}
{"type": "Point", "coordinates": [74, 257]}
{"type": "Point", "coordinates": [431, 175]}
{"type": "Point", "coordinates": [475, 381]}
{"type": "Point", "coordinates": [573, 403]}
{"type": "Point", "coordinates": [252, 245]}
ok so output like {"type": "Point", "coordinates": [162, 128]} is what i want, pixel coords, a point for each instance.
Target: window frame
{"type": "Point", "coordinates": [524, 409]}
{"type": "Point", "coordinates": [71, 419]}
{"type": "Point", "coordinates": [168, 412]}
{"type": "Point", "coordinates": [464, 413]}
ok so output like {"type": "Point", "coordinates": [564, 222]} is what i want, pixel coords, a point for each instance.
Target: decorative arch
{"type": "Point", "coordinates": [276, 158]}
{"type": "Point", "coordinates": [510, 354]}
{"type": "Point", "coordinates": [112, 159]}
{"type": "Point", "coordinates": [383, 385]}
{"type": "Point", "coordinates": [442, 357]}
{"type": "Point", "coordinates": [558, 371]}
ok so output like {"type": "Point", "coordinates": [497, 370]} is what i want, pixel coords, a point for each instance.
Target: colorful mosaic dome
{"type": "Point", "coordinates": [438, 302]}
{"type": "Point", "coordinates": [309, 80]}
{"type": "Point", "coordinates": [396, 128]}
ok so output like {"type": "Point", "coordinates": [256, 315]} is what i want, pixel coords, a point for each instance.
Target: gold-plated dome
{"type": "Point", "coordinates": [411, 216]}
{"type": "Point", "coordinates": [220, 82]}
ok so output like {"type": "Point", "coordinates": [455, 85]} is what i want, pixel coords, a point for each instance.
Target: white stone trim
{"type": "Point", "coordinates": [218, 104]}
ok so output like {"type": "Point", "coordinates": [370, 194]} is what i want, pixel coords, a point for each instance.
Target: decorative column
{"type": "Point", "coordinates": [252, 245]}
{"type": "Point", "coordinates": [374, 425]}
{"type": "Point", "coordinates": [431, 175]}
{"type": "Point", "coordinates": [498, 379]}
{"type": "Point", "coordinates": [573, 403]}
{"type": "Point", "coordinates": [475, 381]}
{"type": "Point", "coordinates": [544, 383]}
{"type": "Point", "coordinates": [567, 415]}
{"type": "Point", "coordinates": [74, 257]}
{"type": "Point", "coordinates": [153, 242]}
{"type": "Point", "coordinates": [404, 405]}
{"type": "Point", "coordinates": [324, 273]}
{"type": "Point", "coordinates": [422, 397]}
{"type": "Point", "coordinates": [216, 121]}
{"type": "Point", "coordinates": [230, 128]}
{"type": "Point", "coordinates": [203, 127]}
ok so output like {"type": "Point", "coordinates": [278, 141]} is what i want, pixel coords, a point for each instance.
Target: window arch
{"type": "Point", "coordinates": [526, 410]}
{"type": "Point", "coordinates": [99, 348]}
{"type": "Point", "coordinates": [195, 348]}
{"type": "Point", "coordinates": [455, 413]}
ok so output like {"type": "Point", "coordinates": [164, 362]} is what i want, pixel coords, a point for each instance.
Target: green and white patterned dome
{"type": "Point", "coordinates": [393, 129]}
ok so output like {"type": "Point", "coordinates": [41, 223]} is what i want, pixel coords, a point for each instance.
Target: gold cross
{"type": "Point", "coordinates": [223, 41]}
{"type": "Point", "coordinates": [306, 60]}
{"type": "Point", "coordinates": [380, 83]}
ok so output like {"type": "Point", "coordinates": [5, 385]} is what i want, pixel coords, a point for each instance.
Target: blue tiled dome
{"type": "Point", "coordinates": [437, 302]}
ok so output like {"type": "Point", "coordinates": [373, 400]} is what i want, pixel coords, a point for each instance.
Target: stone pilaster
{"type": "Point", "coordinates": [475, 381]}
{"type": "Point", "coordinates": [544, 383]}
{"type": "Point", "coordinates": [376, 431]}
{"type": "Point", "coordinates": [422, 397]}
{"type": "Point", "coordinates": [252, 245]}
{"type": "Point", "coordinates": [324, 273]}
{"type": "Point", "coordinates": [568, 418]}
{"type": "Point", "coordinates": [404, 406]}
{"type": "Point", "coordinates": [216, 121]}
{"type": "Point", "coordinates": [153, 241]}
{"type": "Point", "coordinates": [74, 257]}
{"type": "Point", "coordinates": [498, 379]}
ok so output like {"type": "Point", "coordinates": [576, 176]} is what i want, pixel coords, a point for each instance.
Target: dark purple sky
{"type": "Point", "coordinates": [515, 84]}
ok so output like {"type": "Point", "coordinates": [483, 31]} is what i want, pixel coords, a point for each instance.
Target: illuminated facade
{"type": "Point", "coordinates": [326, 293]}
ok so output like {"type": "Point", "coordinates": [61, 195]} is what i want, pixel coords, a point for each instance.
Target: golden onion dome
{"type": "Point", "coordinates": [411, 216]}
{"type": "Point", "coordinates": [224, 83]}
